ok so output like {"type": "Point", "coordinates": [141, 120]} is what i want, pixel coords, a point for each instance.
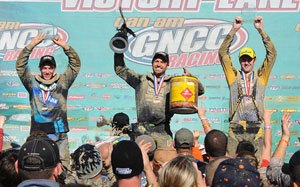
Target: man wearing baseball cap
{"type": "Point", "coordinates": [247, 88]}
{"type": "Point", "coordinates": [151, 93]}
{"type": "Point", "coordinates": [39, 163]}
{"type": "Point", "coordinates": [48, 92]}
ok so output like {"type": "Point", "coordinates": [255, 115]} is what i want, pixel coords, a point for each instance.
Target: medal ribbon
{"type": "Point", "coordinates": [248, 83]}
{"type": "Point", "coordinates": [158, 84]}
{"type": "Point", "coordinates": [45, 95]}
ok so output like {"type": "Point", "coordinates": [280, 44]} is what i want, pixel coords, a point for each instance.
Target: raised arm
{"type": "Point", "coordinates": [74, 60]}
{"type": "Point", "coordinates": [130, 76]}
{"type": "Point", "coordinates": [267, 146]}
{"type": "Point", "coordinates": [202, 116]}
{"type": "Point", "coordinates": [224, 53]}
{"type": "Point", "coordinates": [271, 54]}
{"type": "Point", "coordinates": [22, 68]}
{"type": "Point", "coordinates": [274, 173]}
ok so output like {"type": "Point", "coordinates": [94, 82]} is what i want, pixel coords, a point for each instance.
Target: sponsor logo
{"type": "Point", "coordinates": [25, 128]}
{"type": "Point", "coordinates": [11, 94]}
{"type": "Point", "coordinates": [216, 77]}
{"type": "Point", "coordinates": [88, 108]}
{"type": "Point", "coordinates": [22, 94]}
{"type": "Point", "coordinates": [74, 107]}
{"type": "Point", "coordinates": [76, 97]}
{"type": "Point", "coordinates": [12, 127]}
{"type": "Point", "coordinates": [119, 85]}
{"type": "Point", "coordinates": [218, 110]}
{"type": "Point", "coordinates": [8, 73]}
{"type": "Point", "coordinates": [214, 120]}
{"type": "Point", "coordinates": [78, 129]}
{"type": "Point", "coordinates": [76, 85]}
{"type": "Point", "coordinates": [21, 106]}
{"type": "Point", "coordinates": [106, 96]}
{"type": "Point", "coordinates": [10, 139]}
{"type": "Point", "coordinates": [12, 84]}
{"type": "Point", "coordinates": [3, 106]}
{"type": "Point", "coordinates": [195, 42]}
{"type": "Point", "coordinates": [190, 119]}
{"type": "Point", "coordinates": [289, 76]}
{"type": "Point", "coordinates": [95, 85]}
{"type": "Point", "coordinates": [177, 6]}
{"type": "Point", "coordinates": [21, 117]}
{"type": "Point", "coordinates": [15, 36]}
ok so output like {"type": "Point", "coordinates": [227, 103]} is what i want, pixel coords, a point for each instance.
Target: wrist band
{"type": "Point", "coordinates": [203, 118]}
{"type": "Point", "coordinates": [285, 141]}
{"type": "Point", "coordinates": [268, 127]}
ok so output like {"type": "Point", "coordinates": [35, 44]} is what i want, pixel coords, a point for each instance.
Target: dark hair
{"type": "Point", "coordinates": [215, 143]}
{"type": "Point", "coordinates": [9, 176]}
{"type": "Point", "coordinates": [36, 134]}
{"type": "Point", "coordinates": [42, 174]}
{"type": "Point", "coordinates": [249, 156]}
{"type": "Point", "coordinates": [245, 146]}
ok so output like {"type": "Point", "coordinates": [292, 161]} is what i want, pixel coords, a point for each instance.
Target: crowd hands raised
{"type": "Point", "coordinates": [140, 160]}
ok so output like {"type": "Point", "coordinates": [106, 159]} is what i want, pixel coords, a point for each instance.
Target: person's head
{"type": "Point", "coordinates": [9, 175]}
{"type": "Point", "coordinates": [184, 140]}
{"type": "Point", "coordinates": [147, 139]}
{"type": "Point", "coordinates": [160, 63]}
{"type": "Point", "coordinates": [127, 160]}
{"type": "Point", "coordinates": [293, 168]}
{"type": "Point", "coordinates": [247, 58]}
{"type": "Point", "coordinates": [179, 172]}
{"type": "Point", "coordinates": [250, 156]}
{"type": "Point", "coordinates": [215, 143]}
{"type": "Point", "coordinates": [105, 152]}
{"type": "Point", "coordinates": [86, 161]}
{"type": "Point", "coordinates": [236, 172]}
{"type": "Point", "coordinates": [161, 156]}
{"type": "Point", "coordinates": [245, 146]}
{"type": "Point", "coordinates": [36, 134]}
{"type": "Point", "coordinates": [120, 120]}
{"type": "Point", "coordinates": [47, 66]}
{"type": "Point", "coordinates": [39, 159]}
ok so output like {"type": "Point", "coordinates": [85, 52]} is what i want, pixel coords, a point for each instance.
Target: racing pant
{"type": "Point", "coordinates": [247, 131]}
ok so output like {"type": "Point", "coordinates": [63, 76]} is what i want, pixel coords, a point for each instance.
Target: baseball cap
{"type": "Point", "coordinates": [147, 139]}
{"type": "Point", "coordinates": [87, 161]}
{"type": "Point", "coordinates": [47, 59]}
{"type": "Point", "coordinates": [38, 154]}
{"type": "Point", "coordinates": [235, 172]}
{"type": "Point", "coordinates": [120, 120]}
{"type": "Point", "coordinates": [184, 138]}
{"type": "Point", "coordinates": [247, 51]}
{"type": "Point", "coordinates": [127, 159]}
{"type": "Point", "coordinates": [293, 167]}
{"type": "Point", "coordinates": [162, 55]}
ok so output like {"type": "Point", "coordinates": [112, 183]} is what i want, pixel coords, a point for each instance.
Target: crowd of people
{"type": "Point", "coordinates": [147, 153]}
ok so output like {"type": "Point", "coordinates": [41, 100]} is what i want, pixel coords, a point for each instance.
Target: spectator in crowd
{"type": "Point", "coordinates": [274, 171]}
{"type": "Point", "coordinates": [128, 163]}
{"type": "Point", "coordinates": [48, 92]}
{"type": "Point", "coordinates": [87, 163]}
{"type": "Point", "coordinates": [184, 143]}
{"type": "Point", "coordinates": [9, 176]}
{"type": "Point", "coordinates": [182, 171]}
{"type": "Point", "coordinates": [38, 163]}
{"type": "Point", "coordinates": [161, 156]}
{"type": "Point", "coordinates": [105, 151]}
{"type": "Point", "coordinates": [215, 143]}
{"type": "Point", "coordinates": [152, 95]}
{"type": "Point", "coordinates": [246, 88]}
{"type": "Point", "coordinates": [236, 172]}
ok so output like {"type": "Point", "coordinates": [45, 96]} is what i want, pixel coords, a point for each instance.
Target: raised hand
{"type": "Point", "coordinates": [258, 23]}
{"type": "Point", "coordinates": [237, 23]}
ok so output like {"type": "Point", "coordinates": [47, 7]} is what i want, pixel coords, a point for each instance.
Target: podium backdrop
{"type": "Point", "coordinates": [191, 31]}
